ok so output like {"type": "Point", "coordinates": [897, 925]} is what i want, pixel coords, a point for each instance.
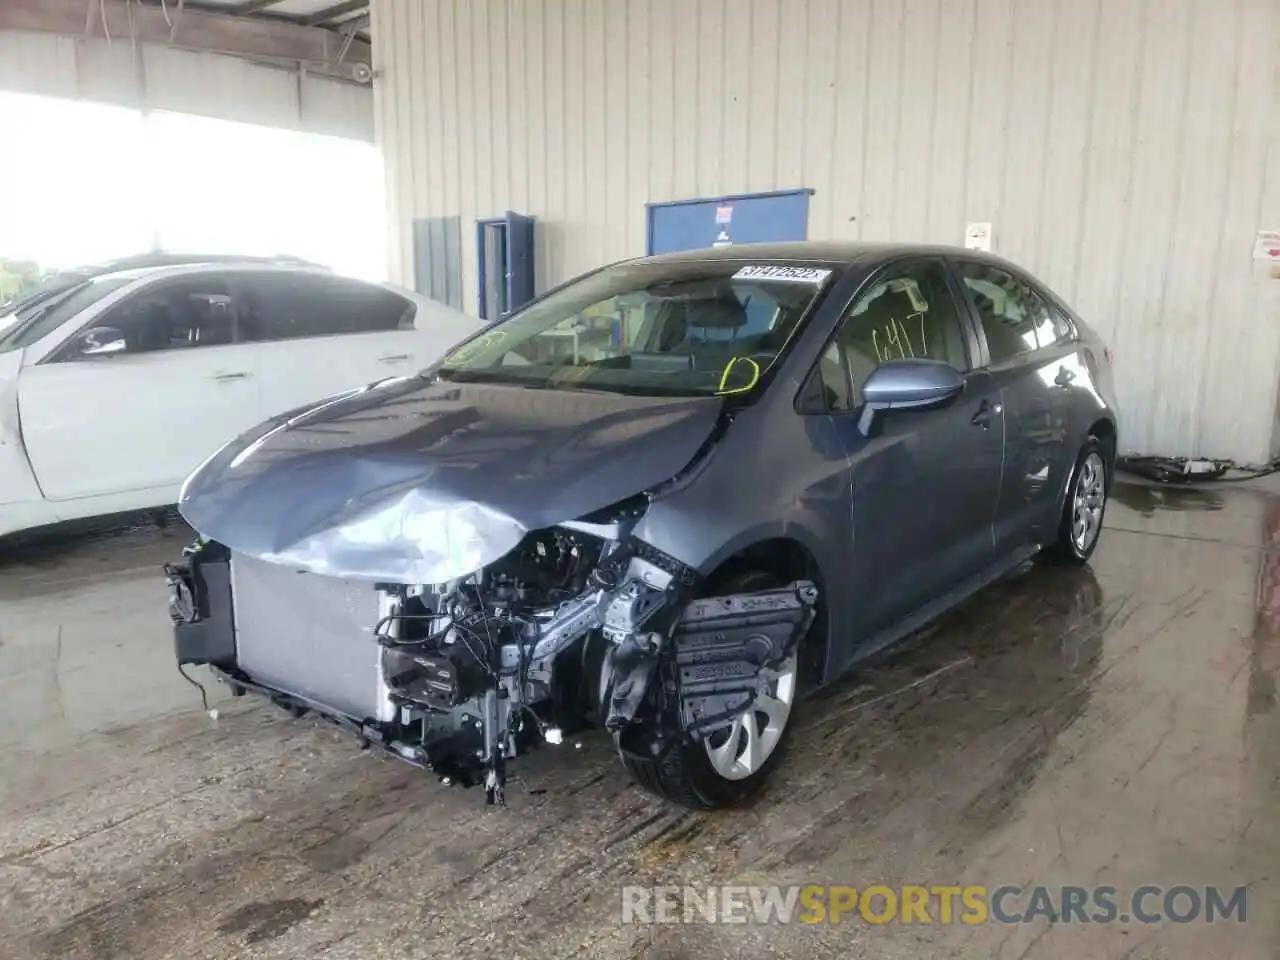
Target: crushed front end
{"type": "Point", "coordinates": [579, 625]}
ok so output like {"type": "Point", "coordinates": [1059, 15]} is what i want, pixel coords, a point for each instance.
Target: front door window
{"type": "Point", "coordinates": [908, 313]}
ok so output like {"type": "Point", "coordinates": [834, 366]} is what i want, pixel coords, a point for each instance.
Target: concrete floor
{"type": "Point", "coordinates": [1109, 725]}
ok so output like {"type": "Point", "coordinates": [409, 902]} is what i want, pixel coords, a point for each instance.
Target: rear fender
{"type": "Point", "coordinates": [1060, 501]}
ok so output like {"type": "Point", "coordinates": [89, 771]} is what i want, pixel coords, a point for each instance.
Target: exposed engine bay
{"type": "Point", "coordinates": [580, 625]}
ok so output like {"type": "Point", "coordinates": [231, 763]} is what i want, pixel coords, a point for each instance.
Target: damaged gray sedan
{"type": "Point", "coordinates": [666, 499]}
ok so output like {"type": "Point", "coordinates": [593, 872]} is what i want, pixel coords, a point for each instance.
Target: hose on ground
{"type": "Point", "coordinates": [1192, 469]}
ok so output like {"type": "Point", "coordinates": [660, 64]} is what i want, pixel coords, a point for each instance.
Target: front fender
{"type": "Point", "coordinates": [770, 474]}
{"type": "Point", "coordinates": [679, 539]}
{"type": "Point", "coordinates": [18, 482]}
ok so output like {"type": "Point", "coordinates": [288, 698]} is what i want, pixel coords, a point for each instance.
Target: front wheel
{"type": "Point", "coordinates": [1084, 506]}
{"type": "Point", "coordinates": [730, 764]}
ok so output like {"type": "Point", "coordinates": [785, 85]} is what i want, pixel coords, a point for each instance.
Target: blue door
{"type": "Point", "coordinates": [505, 252]}
{"type": "Point", "coordinates": [519, 260]}
{"type": "Point", "coordinates": [720, 221]}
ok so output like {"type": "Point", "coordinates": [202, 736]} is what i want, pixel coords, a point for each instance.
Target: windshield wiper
{"type": "Point", "coordinates": [454, 375]}
{"type": "Point", "coordinates": [36, 307]}
{"type": "Point", "coordinates": [42, 293]}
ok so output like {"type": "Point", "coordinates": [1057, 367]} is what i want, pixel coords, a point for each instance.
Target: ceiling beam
{"type": "Point", "coordinates": [251, 6]}
{"type": "Point", "coordinates": [337, 10]}
{"type": "Point", "coordinates": [259, 38]}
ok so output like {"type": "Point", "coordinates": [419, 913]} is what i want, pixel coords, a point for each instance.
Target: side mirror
{"type": "Point", "coordinates": [908, 385]}
{"type": "Point", "coordinates": [102, 342]}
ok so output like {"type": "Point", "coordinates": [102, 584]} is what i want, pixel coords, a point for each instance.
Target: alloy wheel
{"type": "Point", "coordinates": [1088, 500]}
{"type": "Point", "coordinates": [742, 748]}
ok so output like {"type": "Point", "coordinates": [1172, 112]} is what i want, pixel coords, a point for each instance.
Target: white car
{"type": "Point", "coordinates": [117, 385]}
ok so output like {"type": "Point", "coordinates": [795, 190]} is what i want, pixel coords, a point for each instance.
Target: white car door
{"type": "Point", "coordinates": [321, 334]}
{"type": "Point", "coordinates": [138, 398]}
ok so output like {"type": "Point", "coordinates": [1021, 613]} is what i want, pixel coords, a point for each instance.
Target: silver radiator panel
{"type": "Point", "coordinates": [310, 636]}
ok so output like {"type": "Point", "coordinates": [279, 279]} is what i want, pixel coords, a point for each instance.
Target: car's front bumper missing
{"type": "Point", "coordinates": [653, 666]}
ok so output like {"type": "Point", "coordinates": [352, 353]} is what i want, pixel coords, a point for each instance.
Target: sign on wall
{"type": "Point", "coordinates": [1267, 246]}
{"type": "Point", "coordinates": [721, 221]}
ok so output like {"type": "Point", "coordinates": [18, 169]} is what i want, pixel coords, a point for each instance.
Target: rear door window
{"type": "Point", "coordinates": [1015, 318]}
{"type": "Point", "coordinates": [291, 306]}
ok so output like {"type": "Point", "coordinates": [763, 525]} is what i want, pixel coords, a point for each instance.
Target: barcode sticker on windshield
{"type": "Point", "coordinates": [788, 274]}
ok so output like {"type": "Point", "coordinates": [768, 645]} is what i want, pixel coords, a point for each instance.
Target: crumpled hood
{"type": "Point", "coordinates": [420, 481]}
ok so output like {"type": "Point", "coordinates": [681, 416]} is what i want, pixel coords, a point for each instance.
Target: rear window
{"type": "Point", "coordinates": [290, 306]}
{"type": "Point", "coordinates": [37, 321]}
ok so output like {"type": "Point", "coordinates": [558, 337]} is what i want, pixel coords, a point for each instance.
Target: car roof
{"type": "Point", "coordinates": [162, 259]}
{"type": "Point", "coordinates": [145, 264]}
{"type": "Point", "coordinates": [134, 267]}
{"type": "Point", "coordinates": [828, 252]}
{"type": "Point", "coordinates": [206, 266]}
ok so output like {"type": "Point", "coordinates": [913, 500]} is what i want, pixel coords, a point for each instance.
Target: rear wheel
{"type": "Point", "coordinates": [1084, 506]}
{"type": "Point", "coordinates": [732, 763]}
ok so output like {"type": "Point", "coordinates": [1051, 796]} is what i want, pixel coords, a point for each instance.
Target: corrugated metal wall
{"type": "Point", "coordinates": [1126, 150]}
{"type": "Point", "coordinates": [162, 78]}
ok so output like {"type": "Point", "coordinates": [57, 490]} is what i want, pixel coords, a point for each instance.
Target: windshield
{"type": "Point", "coordinates": [38, 319]}
{"type": "Point", "coordinates": [58, 283]}
{"type": "Point", "coordinates": [667, 329]}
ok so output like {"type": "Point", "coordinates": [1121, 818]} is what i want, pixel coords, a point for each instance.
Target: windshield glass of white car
{"type": "Point", "coordinates": [40, 318]}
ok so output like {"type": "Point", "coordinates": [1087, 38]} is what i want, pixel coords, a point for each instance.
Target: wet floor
{"type": "Point", "coordinates": [1114, 725]}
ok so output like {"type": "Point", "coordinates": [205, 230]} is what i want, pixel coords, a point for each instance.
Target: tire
{"type": "Point", "coordinates": [1084, 507]}
{"type": "Point", "coordinates": [685, 775]}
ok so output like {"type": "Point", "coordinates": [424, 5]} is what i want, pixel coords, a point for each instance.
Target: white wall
{"type": "Point", "coordinates": [163, 78]}
{"type": "Point", "coordinates": [1126, 150]}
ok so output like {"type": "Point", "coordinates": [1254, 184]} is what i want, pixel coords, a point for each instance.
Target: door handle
{"type": "Point", "coordinates": [987, 411]}
{"type": "Point", "coordinates": [394, 358]}
{"type": "Point", "coordinates": [238, 375]}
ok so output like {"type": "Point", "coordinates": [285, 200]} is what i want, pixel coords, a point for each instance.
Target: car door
{"type": "Point", "coordinates": [320, 334]}
{"type": "Point", "coordinates": [141, 394]}
{"type": "Point", "coordinates": [924, 483]}
{"type": "Point", "coordinates": [1029, 356]}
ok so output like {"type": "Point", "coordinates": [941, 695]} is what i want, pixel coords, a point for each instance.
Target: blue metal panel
{"type": "Point", "coordinates": [717, 221]}
{"type": "Point", "coordinates": [437, 259]}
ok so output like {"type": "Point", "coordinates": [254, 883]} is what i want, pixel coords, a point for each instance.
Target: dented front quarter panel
{"type": "Point", "coordinates": [421, 481]}
{"type": "Point", "coordinates": [773, 474]}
